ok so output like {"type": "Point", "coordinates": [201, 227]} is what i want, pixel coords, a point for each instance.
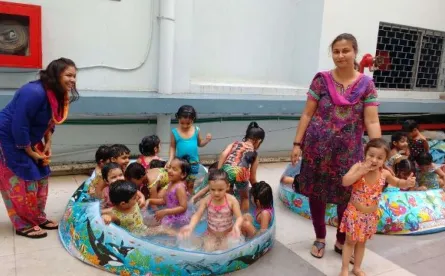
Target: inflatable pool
{"type": "Point", "coordinates": [111, 248]}
{"type": "Point", "coordinates": [401, 213]}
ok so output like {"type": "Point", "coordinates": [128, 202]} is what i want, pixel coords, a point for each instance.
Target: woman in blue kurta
{"type": "Point", "coordinates": [26, 120]}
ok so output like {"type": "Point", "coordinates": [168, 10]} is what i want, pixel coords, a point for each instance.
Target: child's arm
{"type": "Point", "coordinates": [223, 155]}
{"type": "Point", "coordinates": [202, 143]}
{"type": "Point", "coordinates": [357, 171]}
{"type": "Point", "coordinates": [100, 189]}
{"type": "Point", "coordinates": [110, 217]}
{"type": "Point", "coordinates": [181, 208]}
{"type": "Point", "coordinates": [264, 220]}
{"type": "Point", "coordinates": [253, 170]}
{"type": "Point", "coordinates": [288, 180]}
{"type": "Point", "coordinates": [236, 209]}
{"type": "Point", "coordinates": [155, 201]}
{"type": "Point", "coordinates": [397, 182]}
{"type": "Point", "coordinates": [141, 199]}
{"type": "Point", "coordinates": [200, 194]}
{"type": "Point", "coordinates": [425, 144]}
{"type": "Point", "coordinates": [172, 150]}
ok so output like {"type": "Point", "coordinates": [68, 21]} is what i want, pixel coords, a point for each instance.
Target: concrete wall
{"type": "Point", "coordinates": [114, 43]}
{"type": "Point", "coordinates": [256, 42]}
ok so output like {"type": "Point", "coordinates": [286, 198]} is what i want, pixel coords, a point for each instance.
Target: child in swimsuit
{"type": "Point", "coordinates": [416, 141]}
{"type": "Point", "coordinates": [157, 180]}
{"type": "Point", "coordinates": [429, 175]}
{"type": "Point", "coordinates": [399, 148]}
{"type": "Point", "coordinates": [403, 168]}
{"type": "Point", "coordinates": [240, 161]}
{"type": "Point", "coordinates": [264, 212]}
{"type": "Point", "coordinates": [185, 140]}
{"type": "Point", "coordinates": [136, 173]}
{"type": "Point", "coordinates": [221, 209]}
{"type": "Point", "coordinates": [102, 157]}
{"type": "Point", "coordinates": [175, 213]}
{"type": "Point", "coordinates": [149, 149]}
{"type": "Point", "coordinates": [126, 211]}
{"type": "Point", "coordinates": [205, 184]}
{"type": "Point", "coordinates": [361, 216]}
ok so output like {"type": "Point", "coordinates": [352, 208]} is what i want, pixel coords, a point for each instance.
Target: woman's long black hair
{"type": "Point", "coordinates": [50, 79]}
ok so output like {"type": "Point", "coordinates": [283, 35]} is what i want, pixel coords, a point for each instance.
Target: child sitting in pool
{"type": "Point", "coordinates": [240, 161]}
{"type": "Point", "coordinates": [399, 148]}
{"type": "Point", "coordinates": [416, 141]}
{"type": "Point", "coordinates": [112, 172]}
{"type": "Point", "coordinates": [135, 173]}
{"type": "Point", "coordinates": [126, 211]}
{"type": "Point", "coordinates": [157, 180]}
{"type": "Point", "coordinates": [403, 168]}
{"type": "Point", "coordinates": [429, 175]}
{"type": "Point", "coordinates": [289, 177]}
{"type": "Point", "coordinates": [205, 184]}
{"type": "Point", "coordinates": [149, 149]}
{"type": "Point", "coordinates": [221, 209]}
{"type": "Point", "coordinates": [175, 213]}
{"type": "Point", "coordinates": [120, 154]}
{"type": "Point", "coordinates": [262, 220]}
{"type": "Point", "coordinates": [102, 157]}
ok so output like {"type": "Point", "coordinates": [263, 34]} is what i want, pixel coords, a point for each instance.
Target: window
{"type": "Point", "coordinates": [414, 58]}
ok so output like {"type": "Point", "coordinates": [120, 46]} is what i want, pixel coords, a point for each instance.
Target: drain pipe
{"type": "Point", "coordinates": [166, 45]}
{"type": "Point", "coordinates": [165, 69]}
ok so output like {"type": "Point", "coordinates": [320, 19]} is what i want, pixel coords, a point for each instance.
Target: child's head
{"type": "Point", "coordinates": [112, 172]}
{"type": "Point", "coordinates": [262, 195]}
{"type": "Point", "coordinates": [123, 194]}
{"type": "Point", "coordinates": [403, 168]}
{"type": "Point", "coordinates": [156, 163]}
{"type": "Point", "coordinates": [135, 173]}
{"type": "Point", "coordinates": [103, 155]}
{"type": "Point", "coordinates": [213, 166]}
{"type": "Point", "coordinates": [411, 128]}
{"type": "Point", "coordinates": [179, 170]}
{"type": "Point", "coordinates": [376, 152]}
{"type": "Point", "coordinates": [120, 154]}
{"type": "Point", "coordinates": [150, 145]}
{"type": "Point", "coordinates": [255, 134]}
{"type": "Point", "coordinates": [186, 115]}
{"type": "Point", "coordinates": [424, 160]}
{"type": "Point", "coordinates": [218, 183]}
{"type": "Point", "coordinates": [399, 141]}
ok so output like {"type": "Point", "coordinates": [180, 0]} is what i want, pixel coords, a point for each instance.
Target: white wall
{"type": "Point", "coordinates": [256, 41]}
{"type": "Point", "coordinates": [99, 32]}
{"type": "Point", "coordinates": [362, 20]}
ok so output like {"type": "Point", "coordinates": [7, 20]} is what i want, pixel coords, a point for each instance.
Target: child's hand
{"type": "Point", "coordinates": [236, 233]}
{"type": "Point", "coordinates": [159, 215]}
{"type": "Point", "coordinates": [185, 232]}
{"type": "Point", "coordinates": [147, 203]}
{"type": "Point", "coordinates": [365, 167]}
{"type": "Point", "coordinates": [141, 202]}
{"type": "Point", "coordinates": [208, 137]}
{"type": "Point", "coordinates": [411, 180]}
{"type": "Point", "coordinates": [107, 219]}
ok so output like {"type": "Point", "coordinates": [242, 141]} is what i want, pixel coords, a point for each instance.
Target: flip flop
{"type": "Point", "coordinates": [27, 233]}
{"type": "Point", "coordinates": [44, 225]}
{"type": "Point", "coordinates": [320, 246]}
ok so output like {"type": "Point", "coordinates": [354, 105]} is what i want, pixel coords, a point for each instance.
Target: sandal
{"type": "Point", "coordinates": [28, 233]}
{"type": "Point", "coordinates": [44, 225]}
{"type": "Point", "coordinates": [340, 251]}
{"type": "Point", "coordinates": [320, 246]}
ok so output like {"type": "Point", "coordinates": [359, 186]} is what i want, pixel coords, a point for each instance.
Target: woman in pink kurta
{"type": "Point", "coordinates": [341, 104]}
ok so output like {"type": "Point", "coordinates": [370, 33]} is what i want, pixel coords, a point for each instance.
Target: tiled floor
{"type": "Point", "coordinates": [386, 255]}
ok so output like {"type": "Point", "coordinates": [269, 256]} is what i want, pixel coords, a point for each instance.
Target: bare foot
{"type": "Point", "coordinates": [344, 272]}
{"type": "Point", "coordinates": [358, 272]}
